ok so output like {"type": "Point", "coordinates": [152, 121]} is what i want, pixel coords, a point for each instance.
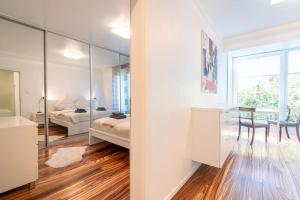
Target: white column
{"type": "Point", "coordinates": [283, 84]}
{"type": "Point", "coordinates": [138, 99]}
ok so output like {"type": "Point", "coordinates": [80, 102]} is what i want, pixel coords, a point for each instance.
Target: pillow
{"type": "Point", "coordinates": [82, 103]}
{"type": "Point", "coordinates": [63, 104]}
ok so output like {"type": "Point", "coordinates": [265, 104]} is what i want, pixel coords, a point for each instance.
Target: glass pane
{"type": "Point", "coordinates": [22, 73]}
{"type": "Point", "coordinates": [261, 66]}
{"type": "Point", "coordinates": [125, 84]}
{"type": "Point", "coordinates": [121, 87]}
{"type": "Point", "coordinates": [258, 82]}
{"type": "Point", "coordinates": [294, 79]}
{"type": "Point", "coordinates": [68, 84]}
{"type": "Point", "coordinates": [259, 92]}
{"type": "Point", "coordinates": [294, 61]}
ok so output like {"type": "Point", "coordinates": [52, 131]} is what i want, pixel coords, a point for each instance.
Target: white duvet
{"type": "Point", "coordinates": [120, 127]}
{"type": "Point", "coordinates": [71, 116]}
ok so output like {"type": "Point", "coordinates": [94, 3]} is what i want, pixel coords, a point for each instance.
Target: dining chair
{"type": "Point", "coordinates": [249, 122]}
{"type": "Point", "coordinates": [287, 123]}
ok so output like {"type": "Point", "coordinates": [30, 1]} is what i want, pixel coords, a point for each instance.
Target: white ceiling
{"type": "Point", "coordinates": [233, 17]}
{"type": "Point", "coordinates": [86, 20]}
{"type": "Point", "coordinates": [22, 42]}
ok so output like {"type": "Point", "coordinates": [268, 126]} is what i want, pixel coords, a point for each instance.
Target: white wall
{"type": "Point", "coordinates": [171, 80]}
{"type": "Point", "coordinates": [277, 34]}
{"type": "Point", "coordinates": [138, 129]}
{"type": "Point", "coordinates": [7, 90]}
{"type": "Point", "coordinates": [102, 87]}
{"type": "Point", "coordinates": [102, 62]}
{"type": "Point", "coordinates": [65, 80]}
{"type": "Point", "coordinates": [73, 81]}
{"type": "Point", "coordinates": [21, 49]}
{"type": "Point", "coordinates": [31, 81]}
{"type": "Point", "coordinates": [106, 89]}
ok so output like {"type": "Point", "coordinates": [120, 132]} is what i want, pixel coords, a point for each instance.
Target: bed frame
{"type": "Point", "coordinates": [73, 128]}
{"type": "Point", "coordinates": [96, 136]}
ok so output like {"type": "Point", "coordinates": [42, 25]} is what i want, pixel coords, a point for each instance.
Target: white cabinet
{"type": "Point", "coordinates": [18, 152]}
{"type": "Point", "coordinates": [213, 134]}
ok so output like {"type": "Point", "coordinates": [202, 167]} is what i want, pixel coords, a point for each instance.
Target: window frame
{"type": "Point", "coordinates": [232, 96]}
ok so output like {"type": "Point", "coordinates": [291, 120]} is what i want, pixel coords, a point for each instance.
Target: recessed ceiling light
{"type": "Point", "coordinates": [122, 31]}
{"type": "Point", "coordinates": [72, 53]}
{"type": "Point", "coordinates": [274, 2]}
{"type": "Point", "coordinates": [121, 28]}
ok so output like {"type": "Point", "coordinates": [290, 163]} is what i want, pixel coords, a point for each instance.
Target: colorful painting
{"type": "Point", "coordinates": [209, 65]}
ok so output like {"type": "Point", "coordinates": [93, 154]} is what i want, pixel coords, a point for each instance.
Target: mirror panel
{"type": "Point", "coordinates": [125, 84]}
{"type": "Point", "coordinates": [22, 73]}
{"type": "Point", "coordinates": [103, 62]}
{"type": "Point", "coordinates": [68, 87]}
{"type": "Point", "coordinates": [74, 88]}
{"type": "Point", "coordinates": [121, 85]}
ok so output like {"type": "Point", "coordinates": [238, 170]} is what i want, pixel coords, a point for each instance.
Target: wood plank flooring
{"type": "Point", "coordinates": [265, 171]}
{"type": "Point", "coordinates": [54, 130]}
{"type": "Point", "coordinates": [103, 173]}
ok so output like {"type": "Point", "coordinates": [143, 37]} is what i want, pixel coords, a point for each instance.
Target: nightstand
{"type": "Point", "coordinates": [39, 118]}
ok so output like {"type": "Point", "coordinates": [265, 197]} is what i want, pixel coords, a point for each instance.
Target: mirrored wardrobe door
{"type": "Point", "coordinates": [121, 85]}
{"type": "Point", "coordinates": [125, 84]}
{"type": "Point", "coordinates": [103, 63]}
{"type": "Point", "coordinates": [68, 88]}
{"type": "Point", "coordinates": [22, 73]}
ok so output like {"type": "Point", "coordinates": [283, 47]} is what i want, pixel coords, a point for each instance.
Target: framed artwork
{"type": "Point", "coordinates": [209, 62]}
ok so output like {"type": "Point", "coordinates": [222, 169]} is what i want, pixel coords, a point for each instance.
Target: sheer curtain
{"type": "Point", "coordinates": [121, 88]}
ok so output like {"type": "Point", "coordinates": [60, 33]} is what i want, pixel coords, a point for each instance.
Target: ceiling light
{"type": "Point", "coordinates": [121, 28]}
{"type": "Point", "coordinates": [275, 2]}
{"type": "Point", "coordinates": [122, 31]}
{"type": "Point", "coordinates": [73, 54]}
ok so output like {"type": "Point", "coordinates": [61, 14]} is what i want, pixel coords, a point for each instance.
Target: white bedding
{"type": "Point", "coordinates": [71, 116]}
{"type": "Point", "coordinates": [119, 127]}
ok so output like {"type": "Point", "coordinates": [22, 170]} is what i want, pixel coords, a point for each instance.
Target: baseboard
{"type": "Point", "coordinates": [183, 181]}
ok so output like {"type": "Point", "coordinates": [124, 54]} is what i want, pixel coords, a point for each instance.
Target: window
{"type": "Point", "coordinates": [258, 82]}
{"type": "Point", "coordinates": [294, 78]}
{"type": "Point", "coordinates": [121, 88]}
{"type": "Point", "coordinates": [266, 80]}
{"type": "Point", "coordinates": [125, 89]}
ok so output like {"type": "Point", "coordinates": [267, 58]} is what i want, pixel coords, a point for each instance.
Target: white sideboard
{"type": "Point", "coordinates": [18, 152]}
{"type": "Point", "coordinates": [213, 134]}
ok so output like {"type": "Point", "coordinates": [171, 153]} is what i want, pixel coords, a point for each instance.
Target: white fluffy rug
{"type": "Point", "coordinates": [66, 156]}
{"type": "Point", "coordinates": [41, 138]}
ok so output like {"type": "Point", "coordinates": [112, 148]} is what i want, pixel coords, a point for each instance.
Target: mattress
{"type": "Point", "coordinates": [118, 127]}
{"type": "Point", "coordinates": [71, 116]}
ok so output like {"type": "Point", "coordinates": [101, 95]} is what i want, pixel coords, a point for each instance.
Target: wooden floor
{"type": "Point", "coordinates": [266, 171]}
{"type": "Point", "coordinates": [54, 130]}
{"type": "Point", "coordinates": [103, 173]}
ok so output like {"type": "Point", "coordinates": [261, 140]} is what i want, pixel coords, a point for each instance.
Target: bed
{"type": "Point", "coordinates": [75, 122]}
{"type": "Point", "coordinates": [116, 131]}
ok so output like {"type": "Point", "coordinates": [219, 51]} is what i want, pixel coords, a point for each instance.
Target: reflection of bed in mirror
{"type": "Point", "coordinates": [75, 122]}
{"type": "Point", "coordinates": [116, 131]}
